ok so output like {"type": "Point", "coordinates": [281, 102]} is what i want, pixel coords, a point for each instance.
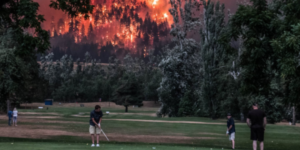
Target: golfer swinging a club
{"type": "Point", "coordinates": [95, 121]}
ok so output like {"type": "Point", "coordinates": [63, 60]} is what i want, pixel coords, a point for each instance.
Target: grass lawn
{"type": "Point", "coordinates": [85, 146]}
{"type": "Point", "coordinates": [194, 135]}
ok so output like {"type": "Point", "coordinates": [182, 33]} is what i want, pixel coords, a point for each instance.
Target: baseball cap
{"type": "Point", "coordinates": [228, 114]}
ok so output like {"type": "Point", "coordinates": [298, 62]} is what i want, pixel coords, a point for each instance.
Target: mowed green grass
{"type": "Point", "coordinates": [277, 137]}
{"type": "Point", "coordinates": [85, 146]}
{"type": "Point", "coordinates": [68, 113]}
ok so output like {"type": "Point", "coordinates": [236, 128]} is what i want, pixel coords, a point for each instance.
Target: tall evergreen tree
{"type": "Point", "coordinates": [179, 66]}
{"type": "Point", "coordinates": [91, 34]}
{"type": "Point", "coordinates": [212, 53]}
{"type": "Point", "coordinates": [235, 101]}
{"type": "Point", "coordinates": [82, 30]}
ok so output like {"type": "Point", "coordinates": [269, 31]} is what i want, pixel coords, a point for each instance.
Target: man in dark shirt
{"type": "Point", "coordinates": [257, 121]}
{"type": "Point", "coordinates": [95, 127]}
{"type": "Point", "coordinates": [231, 129]}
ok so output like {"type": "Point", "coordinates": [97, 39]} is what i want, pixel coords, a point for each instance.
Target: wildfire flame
{"type": "Point", "coordinates": [165, 15]}
{"type": "Point", "coordinates": [119, 22]}
{"type": "Point", "coordinates": [154, 3]}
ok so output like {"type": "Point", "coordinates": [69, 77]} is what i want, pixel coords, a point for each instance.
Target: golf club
{"type": "Point", "coordinates": [104, 135]}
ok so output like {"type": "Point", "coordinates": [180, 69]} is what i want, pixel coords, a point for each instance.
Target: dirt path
{"type": "Point", "coordinates": [39, 119]}
{"type": "Point", "coordinates": [147, 104]}
{"type": "Point", "coordinates": [39, 132]}
{"type": "Point", "coordinates": [164, 121]}
{"type": "Point", "coordinates": [140, 114]}
{"type": "Point", "coordinates": [38, 113]}
{"type": "Point", "coordinates": [34, 132]}
{"type": "Point", "coordinates": [23, 118]}
{"type": "Point", "coordinates": [156, 139]}
{"type": "Point", "coordinates": [287, 124]}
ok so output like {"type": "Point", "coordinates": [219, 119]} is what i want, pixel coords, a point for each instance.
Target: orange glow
{"type": "Point", "coordinates": [154, 2]}
{"type": "Point", "coordinates": [115, 22]}
{"type": "Point", "coordinates": [165, 15]}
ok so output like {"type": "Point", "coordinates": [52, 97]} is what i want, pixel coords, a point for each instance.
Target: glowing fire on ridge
{"type": "Point", "coordinates": [154, 3]}
{"type": "Point", "coordinates": [116, 22]}
{"type": "Point", "coordinates": [165, 15]}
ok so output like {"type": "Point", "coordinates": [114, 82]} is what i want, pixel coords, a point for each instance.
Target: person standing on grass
{"type": "Point", "coordinates": [231, 129]}
{"type": "Point", "coordinates": [257, 122]}
{"type": "Point", "coordinates": [95, 127]}
{"type": "Point", "coordinates": [10, 115]}
{"type": "Point", "coordinates": [15, 116]}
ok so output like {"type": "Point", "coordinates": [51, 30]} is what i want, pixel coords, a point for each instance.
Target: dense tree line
{"type": "Point", "coordinates": [252, 57]}
{"type": "Point", "coordinates": [127, 83]}
{"type": "Point", "coordinates": [66, 45]}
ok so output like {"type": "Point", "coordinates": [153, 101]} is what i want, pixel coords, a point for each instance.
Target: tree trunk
{"type": "Point", "coordinates": [8, 105]}
{"type": "Point", "coordinates": [3, 101]}
{"type": "Point", "coordinates": [126, 108]}
{"type": "Point", "coordinates": [242, 116]}
{"type": "Point", "coordinates": [294, 116]}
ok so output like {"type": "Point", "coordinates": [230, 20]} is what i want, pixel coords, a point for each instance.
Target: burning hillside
{"type": "Point", "coordinates": [132, 25]}
{"type": "Point", "coordinates": [115, 27]}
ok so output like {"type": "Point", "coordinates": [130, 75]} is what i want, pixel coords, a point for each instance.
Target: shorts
{"type": "Point", "coordinates": [14, 119]}
{"type": "Point", "coordinates": [94, 130]}
{"type": "Point", "coordinates": [257, 134]}
{"type": "Point", "coordinates": [232, 136]}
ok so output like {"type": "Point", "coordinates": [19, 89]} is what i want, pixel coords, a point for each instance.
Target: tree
{"type": "Point", "coordinates": [179, 66]}
{"type": "Point", "coordinates": [11, 69]}
{"type": "Point", "coordinates": [287, 50]}
{"type": "Point", "coordinates": [73, 7]}
{"type": "Point", "coordinates": [287, 46]}
{"type": "Point", "coordinates": [257, 24]}
{"type": "Point", "coordinates": [82, 31]}
{"type": "Point", "coordinates": [91, 34]}
{"type": "Point", "coordinates": [128, 93]}
{"type": "Point", "coordinates": [19, 16]}
{"type": "Point", "coordinates": [254, 24]}
{"type": "Point", "coordinates": [146, 73]}
{"type": "Point", "coordinates": [69, 83]}
{"type": "Point", "coordinates": [235, 101]}
{"type": "Point", "coordinates": [212, 53]}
